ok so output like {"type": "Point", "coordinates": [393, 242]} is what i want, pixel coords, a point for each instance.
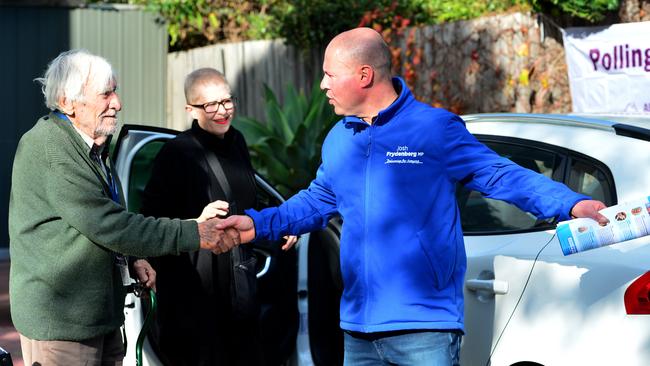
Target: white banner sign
{"type": "Point", "coordinates": [609, 68]}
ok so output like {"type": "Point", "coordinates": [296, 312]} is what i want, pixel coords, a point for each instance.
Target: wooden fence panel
{"type": "Point", "coordinates": [248, 66]}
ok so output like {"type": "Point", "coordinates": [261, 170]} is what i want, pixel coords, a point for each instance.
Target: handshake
{"type": "Point", "coordinates": [218, 238]}
{"type": "Point", "coordinates": [219, 235]}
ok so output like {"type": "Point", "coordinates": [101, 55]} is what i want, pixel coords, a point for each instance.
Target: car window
{"type": "Point", "coordinates": [484, 215]}
{"type": "Point", "coordinates": [593, 179]}
{"type": "Point", "coordinates": [141, 171]}
{"type": "Point", "coordinates": [481, 215]}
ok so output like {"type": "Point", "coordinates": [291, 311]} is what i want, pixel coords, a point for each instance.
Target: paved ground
{"type": "Point", "coordinates": [9, 339]}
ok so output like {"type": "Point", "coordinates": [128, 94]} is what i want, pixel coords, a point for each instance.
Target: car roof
{"type": "Point", "coordinates": [625, 125]}
{"type": "Point", "coordinates": [628, 119]}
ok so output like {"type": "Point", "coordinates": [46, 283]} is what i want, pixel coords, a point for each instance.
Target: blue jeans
{"type": "Point", "coordinates": [418, 348]}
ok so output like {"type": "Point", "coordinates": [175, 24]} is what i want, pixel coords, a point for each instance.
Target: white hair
{"type": "Point", "coordinates": [70, 72]}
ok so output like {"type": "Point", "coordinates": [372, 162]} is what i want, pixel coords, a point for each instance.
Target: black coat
{"type": "Point", "coordinates": [196, 323]}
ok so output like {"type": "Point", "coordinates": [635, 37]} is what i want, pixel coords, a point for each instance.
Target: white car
{"type": "Point", "coordinates": [525, 302]}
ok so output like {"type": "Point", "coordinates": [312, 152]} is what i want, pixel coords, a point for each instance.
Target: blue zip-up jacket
{"type": "Point", "coordinates": [393, 182]}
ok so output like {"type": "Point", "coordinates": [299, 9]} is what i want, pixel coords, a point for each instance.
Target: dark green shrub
{"type": "Point", "coordinates": [312, 23]}
{"type": "Point", "coordinates": [286, 147]}
{"type": "Point", "coordinates": [590, 10]}
{"type": "Point", "coordinates": [201, 22]}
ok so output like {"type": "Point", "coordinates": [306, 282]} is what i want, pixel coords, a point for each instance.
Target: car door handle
{"type": "Point", "coordinates": [493, 286]}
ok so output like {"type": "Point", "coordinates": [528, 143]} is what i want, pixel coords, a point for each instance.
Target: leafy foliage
{"type": "Point", "coordinates": [309, 23]}
{"type": "Point", "coordinates": [439, 11]}
{"type": "Point", "coordinates": [201, 22]}
{"type": "Point", "coordinates": [286, 147]}
{"type": "Point", "coordinates": [312, 23]}
{"type": "Point", "coordinates": [591, 10]}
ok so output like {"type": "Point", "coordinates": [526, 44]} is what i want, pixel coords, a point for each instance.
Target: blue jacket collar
{"type": "Point", "coordinates": [387, 114]}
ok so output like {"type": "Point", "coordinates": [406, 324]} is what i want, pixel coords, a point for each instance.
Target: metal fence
{"type": "Point", "coordinates": [31, 36]}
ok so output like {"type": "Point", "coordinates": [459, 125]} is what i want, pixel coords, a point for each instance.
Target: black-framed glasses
{"type": "Point", "coordinates": [212, 107]}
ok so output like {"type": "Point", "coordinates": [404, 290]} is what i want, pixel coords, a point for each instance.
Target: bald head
{"type": "Point", "coordinates": [363, 46]}
{"type": "Point", "coordinates": [198, 79]}
{"type": "Point", "coordinates": [356, 74]}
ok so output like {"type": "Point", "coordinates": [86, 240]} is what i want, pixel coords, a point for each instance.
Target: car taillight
{"type": "Point", "coordinates": [637, 296]}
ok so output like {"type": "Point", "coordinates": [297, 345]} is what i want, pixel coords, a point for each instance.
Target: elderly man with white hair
{"type": "Point", "coordinates": [69, 232]}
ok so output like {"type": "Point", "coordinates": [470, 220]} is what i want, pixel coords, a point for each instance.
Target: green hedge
{"type": "Point", "coordinates": [312, 23]}
{"type": "Point", "coordinates": [590, 10]}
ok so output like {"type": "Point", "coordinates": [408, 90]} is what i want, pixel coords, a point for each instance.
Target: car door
{"type": "Point", "coordinates": [134, 152]}
{"type": "Point", "coordinates": [299, 290]}
{"type": "Point", "coordinates": [574, 311]}
{"type": "Point", "coordinates": [503, 243]}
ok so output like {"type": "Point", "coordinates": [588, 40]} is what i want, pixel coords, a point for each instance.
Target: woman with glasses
{"type": "Point", "coordinates": [205, 316]}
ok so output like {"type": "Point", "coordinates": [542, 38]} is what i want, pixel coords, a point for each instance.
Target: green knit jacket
{"type": "Point", "coordinates": [64, 229]}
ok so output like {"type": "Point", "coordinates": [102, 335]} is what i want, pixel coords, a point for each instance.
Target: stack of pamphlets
{"type": "Point", "coordinates": [627, 221]}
